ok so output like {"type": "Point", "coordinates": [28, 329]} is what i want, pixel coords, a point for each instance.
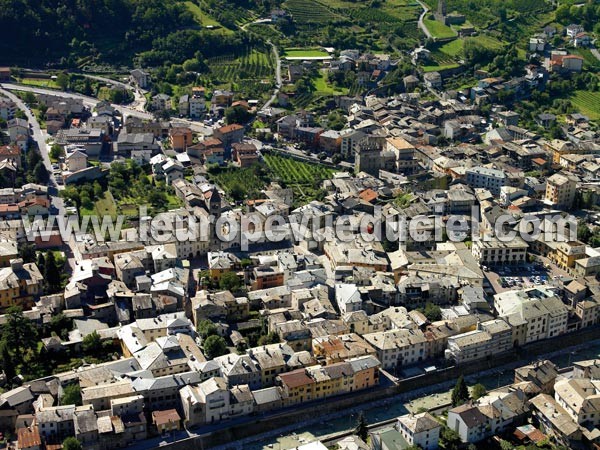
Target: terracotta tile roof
{"type": "Point", "coordinates": [165, 417]}
{"type": "Point", "coordinates": [296, 378]}
{"type": "Point", "coordinates": [230, 128]}
{"type": "Point", "coordinates": [29, 437]}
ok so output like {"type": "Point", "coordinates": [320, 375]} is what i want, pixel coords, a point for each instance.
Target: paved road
{"type": "Point", "coordinates": [53, 187]}
{"type": "Point", "coordinates": [87, 101]}
{"type": "Point", "coordinates": [139, 102]}
{"type": "Point", "coordinates": [595, 52]}
{"type": "Point", "coordinates": [278, 80]}
{"type": "Point", "coordinates": [38, 134]}
{"type": "Point", "coordinates": [421, 17]}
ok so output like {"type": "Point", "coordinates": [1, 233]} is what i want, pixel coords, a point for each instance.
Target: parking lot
{"type": "Point", "coordinates": [505, 278]}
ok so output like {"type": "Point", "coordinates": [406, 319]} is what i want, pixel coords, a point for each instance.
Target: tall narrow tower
{"type": "Point", "coordinates": [441, 11]}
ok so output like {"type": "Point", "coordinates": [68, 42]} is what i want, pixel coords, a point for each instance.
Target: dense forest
{"type": "Point", "coordinates": [67, 33]}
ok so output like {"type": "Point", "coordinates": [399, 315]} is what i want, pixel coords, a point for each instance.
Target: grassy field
{"type": "Point", "coordinates": [246, 179]}
{"type": "Point", "coordinates": [434, 68]}
{"type": "Point", "coordinates": [107, 206]}
{"type": "Point", "coordinates": [322, 87]}
{"type": "Point", "coordinates": [201, 17]}
{"type": "Point", "coordinates": [488, 41]}
{"type": "Point", "coordinates": [304, 53]}
{"type": "Point", "coordinates": [438, 29]}
{"type": "Point", "coordinates": [588, 103]}
{"type": "Point", "coordinates": [453, 48]}
{"type": "Point", "coordinates": [104, 207]}
{"type": "Point", "coordinates": [40, 82]}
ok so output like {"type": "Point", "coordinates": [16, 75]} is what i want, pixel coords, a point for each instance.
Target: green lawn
{"type": "Point", "coordinates": [322, 87]}
{"type": "Point", "coordinates": [438, 29]}
{"type": "Point", "coordinates": [439, 67]}
{"type": "Point", "coordinates": [107, 206]}
{"type": "Point", "coordinates": [305, 53]}
{"type": "Point", "coordinates": [588, 103]}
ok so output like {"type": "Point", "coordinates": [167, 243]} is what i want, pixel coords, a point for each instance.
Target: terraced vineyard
{"type": "Point", "coordinates": [411, 30]}
{"type": "Point", "coordinates": [310, 11]}
{"type": "Point", "coordinates": [588, 103]}
{"type": "Point", "coordinates": [292, 171]}
{"type": "Point", "coordinates": [372, 15]}
{"type": "Point", "coordinates": [250, 65]}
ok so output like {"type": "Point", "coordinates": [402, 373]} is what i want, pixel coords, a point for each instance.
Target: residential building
{"type": "Point", "coordinates": [561, 190]}
{"type": "Point", "coordinates": [421, 430]}
{"type": "Point", "coordinates": [491, 251]}
{"type": "Point", "coordinates": [398, 348]}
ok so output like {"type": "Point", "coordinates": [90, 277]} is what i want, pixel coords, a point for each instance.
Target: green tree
{"type": "Point", "coordinates": [267, 339]}
{"type": "Point", "coordinates": [449, 439]}
{"type": "Point", "coordinates": [361, 430]}
{"type": "Point", "coordinates": [71, 395]}
{"type": "Point", "coordinates": [27, 252]}
{"type": "Point", "coordinates": [478, 391]}
{"type": "Point", "coordinates": [237, 114]}
{"type": "Point", "coordinates": [19, 333]}
{"type": "Point", "coordinates": [432, 312]}
{"type": "Point", "coordinates": [56, 151]}
{"type": "Point", "coordinates": [460, 393]}
{"type": "Point", "coordinates": [41, 173]}
{"type": "Point", "coordinates": [92, 343]}
{"type": "Point", "coordinates": [71, 443]}
{"type": "Point", "coordinates": [215, 346]}
{"type": "Point", "coordinates": [6, 362]}
{"type": "Point", "coordinates": [229, 281]}
{"type": "Point", "coordinates": [51, 273]}
{"type": "Point", "coordinates": [61, 325]}
{"type": "Point", "coordinates": [206, 328]}
{"type": "Point", "coordinates": [62, 79]}
{"type": "Point", "coordinates": [41, 262]}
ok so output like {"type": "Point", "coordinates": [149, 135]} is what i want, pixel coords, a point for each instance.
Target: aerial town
{"type": "Point", "coordinates": [308, 234]}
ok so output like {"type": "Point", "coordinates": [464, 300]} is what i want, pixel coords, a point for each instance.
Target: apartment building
{"type": "Point", "coordinates": [486, 178]}
{"type": "Point", "coordinates": [398, 348]}
{"type": "Point", "coordinates": [561, 190]}
{"type": "Point", "coordinates": [490, 338]}
{"type": "Point", "coordinates": [492, 251]}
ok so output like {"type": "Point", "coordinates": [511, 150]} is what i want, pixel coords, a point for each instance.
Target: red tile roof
{"type": "Point", "coordinates": [165, 417]}
{"type": "Point", "coordinates": [296, 378]}
{"type": "Point", "coordinates": [29, 437]}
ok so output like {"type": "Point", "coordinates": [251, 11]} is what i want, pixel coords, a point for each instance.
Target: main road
{"type": "Point", "coordinates": [53, 187]}
{"type": "Point", "coordinates": [125, 111]}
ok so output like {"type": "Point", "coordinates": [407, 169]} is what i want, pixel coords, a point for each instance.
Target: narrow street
{"type": "Point", "coordinates": [278, 80]}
